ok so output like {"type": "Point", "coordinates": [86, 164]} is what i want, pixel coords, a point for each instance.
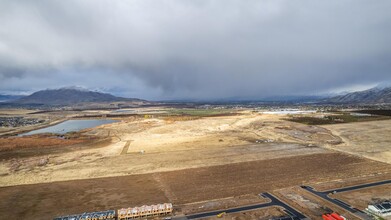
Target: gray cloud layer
{"type": "Point", "coordinates": [195, 49]}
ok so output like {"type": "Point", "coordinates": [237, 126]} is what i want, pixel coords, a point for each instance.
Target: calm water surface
{"type": "Point", "coordinates": [71, 125]}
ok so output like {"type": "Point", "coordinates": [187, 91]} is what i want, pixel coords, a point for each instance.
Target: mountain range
{"type": "Point", "coordinates": [69, 96]}
{"type": "Point", "coordinates": [371, 96]}
{"type": "Point", "coordinates": [8, 98]}
{"type": "Point", "coordinates": [76, 95]}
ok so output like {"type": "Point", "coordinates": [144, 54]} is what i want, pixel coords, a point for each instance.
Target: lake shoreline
{"type": "Point", "coordinates": [70, 126]}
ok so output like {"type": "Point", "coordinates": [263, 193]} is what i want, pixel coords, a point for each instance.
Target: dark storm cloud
{"type": "Point", "coordinates": [7, 72]}
{"type": "Point", "coordinates": [195, 49]}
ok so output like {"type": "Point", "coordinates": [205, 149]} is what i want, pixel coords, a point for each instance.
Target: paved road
{"type": "Point", "coordinates": [345, 189]}
{"type": "Point", "coordinates": [289, 210]}
{"type": "Point", "coordinates": [342, 204]}
{"type": "Point", "coordinates": [273, 202]}
{"type": "Point", "coordinates": [335, 201]}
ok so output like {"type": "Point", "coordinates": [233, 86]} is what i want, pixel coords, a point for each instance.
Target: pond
{"type": "Point", "coordinates": [70, 125]}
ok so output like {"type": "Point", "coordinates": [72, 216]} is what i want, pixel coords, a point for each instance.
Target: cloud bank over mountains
{"type": "Point", "coordinates": [181, 49]}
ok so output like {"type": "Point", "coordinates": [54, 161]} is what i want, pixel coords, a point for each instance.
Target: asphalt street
{"type": "Point", "coordinates": [292, 213]}
{"type": "Point", "coordinates": [273, 202]}
{"type": "Point", "coordinates": [325, 195]}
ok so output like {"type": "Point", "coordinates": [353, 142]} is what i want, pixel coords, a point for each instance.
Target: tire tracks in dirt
{"type": "Point", "coordinates": [165, 188]}
{"type": "Point", "coordinates": [126, 148]}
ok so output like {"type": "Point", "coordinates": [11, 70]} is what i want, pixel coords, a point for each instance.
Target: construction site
{"type": "Point", "coordinates": [197, 160]}
{"type": "Point", "coordinates": [195, 110]}
{"type": "Point", "coordinates": [145, 211]}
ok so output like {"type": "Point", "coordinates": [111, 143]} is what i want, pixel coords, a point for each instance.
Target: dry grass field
{"type": "Point", "coordinates": [38, 141]}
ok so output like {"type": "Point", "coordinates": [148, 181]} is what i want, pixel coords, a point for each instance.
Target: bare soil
{"type": "Point", "coordinates": [309, 204]}
{"type": "Point", "coordinates": [261, 214]}
{"type": "Point", "coordinates": [206, 183]}
{"type": "Point", "coordinates": [352, 181]}
{"type": "Point", "coordinates": [37, 141]}
{"type": "Point", "coordinates": [363, 197]}
{"type": "Point", "coordinates": [47, 200]}
{"type": "Point", "coordinates": [146, 145]}
{"type": "Point", "coordinates": [181, 187]}
{"type": "Point", "coordinates": [221, 203]}
{"type": "Point", "coordinates": [368, 139]}
{"type": "Point", "coordinates": [12, 148]}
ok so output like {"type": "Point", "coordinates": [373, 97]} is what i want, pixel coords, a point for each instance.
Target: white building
{"type": "Point", "coordinates": [382, 209]}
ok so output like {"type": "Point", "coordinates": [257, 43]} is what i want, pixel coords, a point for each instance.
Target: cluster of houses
{"type": "Point", "coordinates": [18, 121]}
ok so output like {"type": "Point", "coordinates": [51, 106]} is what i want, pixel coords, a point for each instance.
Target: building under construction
{"type": "Point", "coordinates": [144, 211]}
{"type": "Point", "coordinates": [123, 214]}
{"type": "Point", "coordinates": [103, 215]}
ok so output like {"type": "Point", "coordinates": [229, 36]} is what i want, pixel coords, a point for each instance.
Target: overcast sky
{"type": "Point", "coordinates": [195, 49]}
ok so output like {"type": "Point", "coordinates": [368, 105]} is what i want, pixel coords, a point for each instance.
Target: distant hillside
{"type": "Point", "coordinates": [69, 96]}
{"type": "Point", "coordinates": [7, 98]}
{"type": "Point", "coordinates": [370, 96]}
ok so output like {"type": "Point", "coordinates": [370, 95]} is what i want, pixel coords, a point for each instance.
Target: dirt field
{"type": "Point", "coordinates": [361, 198]}
{"type": "Point", "coordinates": [309, 204]}
{"type": "Point", "coordinates": [221, 203]}
{"type": "Point", "coordinates": [46, 201]}
{"type": "Point", "coordinates": [261, 214]}
{"type": "Point", "coordinates": [368, 139]}
{"type": "Point", "coordinates": [260, 176]}
{"type": "Point", "coordinates": [39, 141]}
{"type": "Point", "coordinates": [87, 163]}
{"type": "Point", "coordinates": [146, 145]}
{"type": "Point", "coordinates": [181, 187]}
{"type": "Point", "coordinates": [7, 112]}
{"type": "Point", "coordinates": [340, 183]}
{"type": "Point", "coordinates": [314, 207]}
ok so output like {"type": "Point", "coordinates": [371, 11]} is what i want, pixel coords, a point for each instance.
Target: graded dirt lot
{"type": "Point", "coordinates": [221, 203]}
{"type": "Point", "coordinates": [309, 204]}
{"type": "Point", "coordinates": [87, 163]}
{"type": "Point", "coordinates": [49, 200]}
{"type": "Point", "coordinates": [261, 214]}
{"type": "Point", "coordinates": [313, 206]}
{"type": "Point", "coordinates": [265, 175]}
{"type": "Point", "coordinates": [343, 182]}
{"type": "Point", "coordinates": [182, 186]}
{"type": "Point", "coordinates": [362, 197]}
{"type": "Point", "coordinates": [368, 139]}
{"type": "Point", "coordinates": [146, 145]}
